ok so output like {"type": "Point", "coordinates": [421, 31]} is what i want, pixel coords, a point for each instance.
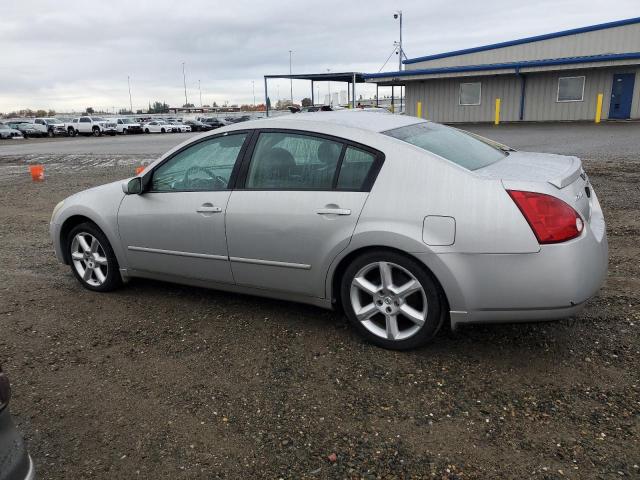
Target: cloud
{"type": "Point", "coordinates": [77, 54]}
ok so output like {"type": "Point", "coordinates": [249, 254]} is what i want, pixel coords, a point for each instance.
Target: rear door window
{"type": "Point", "coordinates": [292, 161]}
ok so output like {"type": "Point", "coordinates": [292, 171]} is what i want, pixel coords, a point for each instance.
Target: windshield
{"type": "Point", "coordinates": [126, 120]}
{"type": "Point", "coordinates": [98, 119]}
{"type": "Point", "coordinates": [449, 143]}
{"type": "Point", "coordinates": [53, 120]}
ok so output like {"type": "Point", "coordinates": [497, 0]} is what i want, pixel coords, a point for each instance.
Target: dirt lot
{"type": "Point", "coordinates": [162, 381]}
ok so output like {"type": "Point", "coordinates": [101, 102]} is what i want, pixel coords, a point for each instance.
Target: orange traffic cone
{"type": "Point", "coordinates": [139, 170]}
{"type": "Point", "coordinates": [37, 172]}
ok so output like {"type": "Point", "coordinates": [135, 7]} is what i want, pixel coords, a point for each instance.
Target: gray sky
{"type": "Point", "coordinates": [74, 54]}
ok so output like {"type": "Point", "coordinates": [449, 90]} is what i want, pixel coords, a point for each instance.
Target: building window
{"type": "Point", "coordinates": [470, 93]}
{"type": "Point", "coordinates": [570, 89]}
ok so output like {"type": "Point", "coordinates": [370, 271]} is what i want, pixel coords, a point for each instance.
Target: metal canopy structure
{"type": "Point", "coordinates": [347, 77]}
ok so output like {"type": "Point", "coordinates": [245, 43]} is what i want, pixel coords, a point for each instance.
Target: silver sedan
{"type": "Point", "coordinates": [401, 223]}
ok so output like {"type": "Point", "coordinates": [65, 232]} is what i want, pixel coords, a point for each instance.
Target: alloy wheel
{"type": "Point", "coordinates": [388, 301]}
{"type": "Point", "coordinates": [89, 259]}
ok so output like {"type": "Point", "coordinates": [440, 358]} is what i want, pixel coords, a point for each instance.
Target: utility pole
{"type": "Point", "coordinates": [130, 102]}
{"type": "Point", "coordinates": [290, 79]}
{"type": "Point", "coordinates": [200, 89]}
{"type": "Point", "coordinates": [184, 79]}
{"type": "Point", "coordinates": [329, 87]}
{"type": "Point", "coordinates": [253, 87]}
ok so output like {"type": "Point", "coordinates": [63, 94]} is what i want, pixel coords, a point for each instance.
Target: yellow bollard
{"type": "Point", "coordinates": [598, 108]}
{"type": "Point", "coordinates": [496, 120]}
{"type": "Point", "coordinates": [419, 110]}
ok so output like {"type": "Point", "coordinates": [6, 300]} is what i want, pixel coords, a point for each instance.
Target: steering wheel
{"type": "Point", "coordinates": [219, 182]}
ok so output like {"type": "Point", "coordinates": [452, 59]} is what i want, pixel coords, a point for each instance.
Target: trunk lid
{"type": "Point", "coordinates": [563, 172]}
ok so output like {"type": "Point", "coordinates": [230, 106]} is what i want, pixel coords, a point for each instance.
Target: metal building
{"type": "Point", "coordinates": [557, 76]}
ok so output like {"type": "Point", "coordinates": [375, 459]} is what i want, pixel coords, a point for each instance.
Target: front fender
{"type": "Point", "coordinates": [100, 205]}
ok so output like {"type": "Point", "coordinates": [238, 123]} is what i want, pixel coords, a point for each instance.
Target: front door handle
{"type": "Point", "coordinates": [208, 208]}
{"type": "Point", "coordinates": [333, 211]}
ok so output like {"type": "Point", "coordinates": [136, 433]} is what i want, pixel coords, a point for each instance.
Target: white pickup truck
{"type": "Point", "coordinates": [52, 126]}
{"type": "Point", "coordinates": [95, 126]}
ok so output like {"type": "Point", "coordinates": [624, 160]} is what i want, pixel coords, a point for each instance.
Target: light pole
{"type": "Point", "coordinates": [329, 87]}
{"type": "Point", "coordinates": [290, 79]}
{"type": "Point", "coordinates": [184, 79]}
{"type": "Point", "coordinates": [253, 87]}
{"type": "Point", "coordinates": [200, 90]}
{"type": "Point", "coordinates": [398, 16]}
{"type": "Point", "coordinates": [130, 102]}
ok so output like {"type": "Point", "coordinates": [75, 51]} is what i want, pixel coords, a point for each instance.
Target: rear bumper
{"type": "Point", "coordinates": [15, 462]}
{"type": "Point", "coordinates": [551, 284]}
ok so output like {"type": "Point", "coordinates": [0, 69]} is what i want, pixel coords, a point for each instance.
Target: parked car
{"type": "Point", "coordinates": [197, 126]}
{"type": "Point", "coordinates": [178, 127]}
{"type": "Point", "coordinates": [126, 126]}
{"type": "Point", "coordinates": [243, 118]}
{"type": "Point", "coordinates": [157, 126]}
{"type": "Point", "coordinates": [213, 122]}
{"type": "Point", "coordinates": [15, 462]}
{"type": "Point", "coordinates": [402, 223]}
{"type": "Point", "coordinates": [11, 133]}
{"type": "Point", "coordinates": [52, 125]}
{"type": "Point", "coordinates": [27, 129]}
{"type": "Point", "coordinates": [95, 126]}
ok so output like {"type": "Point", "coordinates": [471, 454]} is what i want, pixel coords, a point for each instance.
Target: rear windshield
{"type": "Point", "coordinates": [449, 143]}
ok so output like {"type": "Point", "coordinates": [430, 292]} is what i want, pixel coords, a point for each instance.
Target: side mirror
{"type": "Point", "coordinates": [133, 186]}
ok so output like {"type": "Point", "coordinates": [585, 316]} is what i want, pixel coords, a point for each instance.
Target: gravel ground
{"type": "Point", "coordinates": [162, 381]}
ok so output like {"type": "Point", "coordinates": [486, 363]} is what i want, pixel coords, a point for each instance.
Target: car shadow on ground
{"type": "Point", "coordinates": [519, 338]}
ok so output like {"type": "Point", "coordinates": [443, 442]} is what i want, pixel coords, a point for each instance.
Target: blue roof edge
{"type": "Point", "coordinates": [508, 65]}
{"type": "Point", "coordinates": [520, 41]}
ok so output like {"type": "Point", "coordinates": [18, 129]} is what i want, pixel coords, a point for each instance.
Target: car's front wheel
{"type": "Point", "coordinates": [392, 300]}
{"type": "Point", "coordinates": [92, 259]}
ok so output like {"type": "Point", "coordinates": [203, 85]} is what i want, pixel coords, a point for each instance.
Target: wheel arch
{"type": "Point", "coordinates": [336, 274]}
{"type": "Point", "coordinates": [76, 219]}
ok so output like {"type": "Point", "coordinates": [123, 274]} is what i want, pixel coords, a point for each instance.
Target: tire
{"type": "Point", "coordinates": [162, 130]}
{"type": "Point", "coordinates": [125, 131]}
{"type": "Point", "coordinates": [388, 318]}
{"type": "Point", "coordinates": [71, 132]}
{"type": "Point", "coordinates": [91, 259]}
{"type": "Point", "coordinates": [97, 132]}
{"type": "Point", "coordinates": [146, 130]}
{"type": "Point", "coordinates": [50, 133]}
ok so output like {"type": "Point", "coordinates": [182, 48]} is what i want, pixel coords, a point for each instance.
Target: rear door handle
{"type": "Point", "coordinates": [333, 211]}
{"type": "Point", "coordinates": [208, 208]}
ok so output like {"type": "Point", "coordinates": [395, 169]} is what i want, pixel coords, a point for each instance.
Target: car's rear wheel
{"type": "Point", "coordinates": [392, 300]}
{"type": "Point", "coordinates": [50, 133]}
{"type": "Point", "coordinates": [125, 131]}
{"type": "Point", "coordinates": [92, 259]}
{"type": "Point", "coordinates": [162, 130]}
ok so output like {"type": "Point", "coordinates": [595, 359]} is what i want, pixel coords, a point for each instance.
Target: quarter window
{"type": "Point", "coordinates": [570, 89]}
{"type": "Point", "coordinates": [470, 93]}
{"type": "Point", "coordinates": [355, 169]}
{"type": "Point", "coordinates": [293, 162]}
{"type": "Point", "coordinates": [205, 166]}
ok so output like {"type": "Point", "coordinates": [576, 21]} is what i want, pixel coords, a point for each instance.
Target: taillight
{"type": "Point", "coordinates": [5, 390]}
{"type": "Point", "coordinates": [551, 219]}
